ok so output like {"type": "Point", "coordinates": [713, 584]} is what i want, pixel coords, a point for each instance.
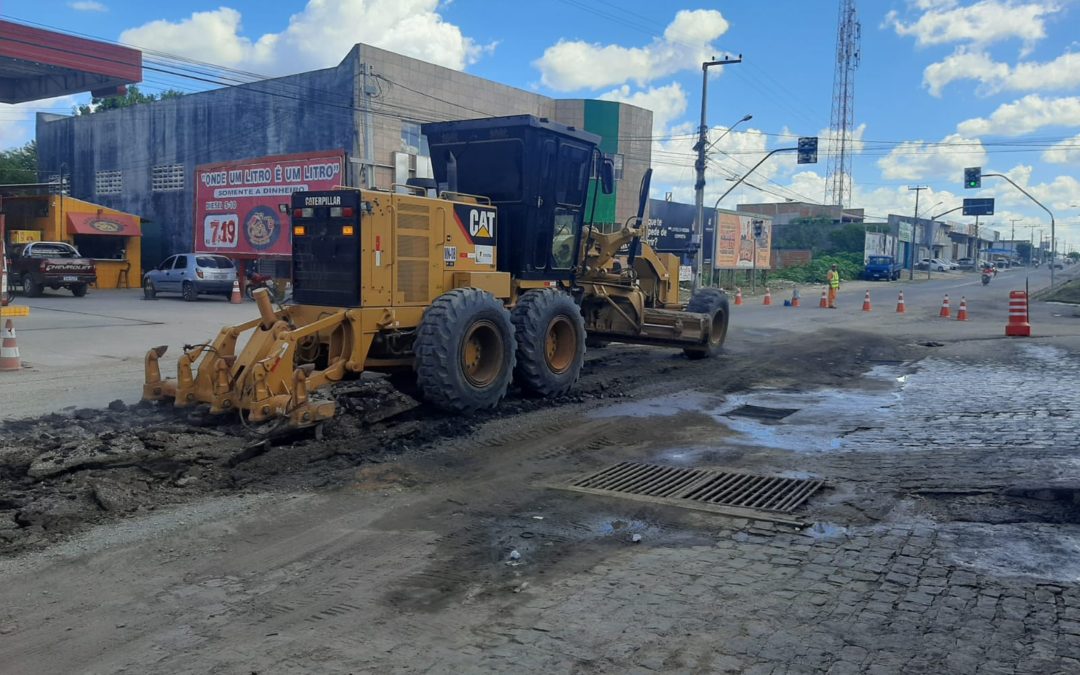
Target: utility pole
{"type": "Point", "coordinates": [699, 165]}
{"type": "Point", "coordinates": [915, 229]}
{"type": "Point", "coordinates": [1012, 237]}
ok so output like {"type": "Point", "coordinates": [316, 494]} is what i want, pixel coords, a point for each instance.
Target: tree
{"type": "Point", "coordinates": [848, 238]}
{"type": "Point", "coordinates": [132, 97]}
{"type": "Point", "coordinates": [19, 165]}
{"type": "Point", "coordinates": [1023, 251]}
{"type": "Point", "coordinates": [1073, 255]}
{"type": "Point", "coordinates": [802, 233]}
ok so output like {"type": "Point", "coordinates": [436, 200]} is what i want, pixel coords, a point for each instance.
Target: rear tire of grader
{"type": "Point", "coordinates": [550, 342]}
{"type": "Point", "coordinates": [464, 351]}
{"type": "Point", "coordinates": [714, 303]}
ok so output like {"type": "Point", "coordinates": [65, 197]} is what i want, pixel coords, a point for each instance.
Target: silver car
{"type": "Point", "coordinates": [191, 275]}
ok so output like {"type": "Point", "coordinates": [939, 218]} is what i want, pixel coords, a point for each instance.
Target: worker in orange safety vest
{"type": "Point", "coordinates": [833, 278]}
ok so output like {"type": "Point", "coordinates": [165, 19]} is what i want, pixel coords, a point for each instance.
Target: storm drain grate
{"type": "Point", "coordinates": [761, 412]}
{"type": "Point", "coordinates": [729, 492]}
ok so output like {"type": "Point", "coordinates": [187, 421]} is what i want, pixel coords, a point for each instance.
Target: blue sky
{"type": "Point", "coordinates": [942, 84]}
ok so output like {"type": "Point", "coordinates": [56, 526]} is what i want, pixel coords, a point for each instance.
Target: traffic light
{"type": "Point", "coordinates": [973, 177]}
{"type": "Point", "coordinates": [808, 150]}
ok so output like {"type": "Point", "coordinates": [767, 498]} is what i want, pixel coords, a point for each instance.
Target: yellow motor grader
{"type": "Point", "coordinates": [486, 274]}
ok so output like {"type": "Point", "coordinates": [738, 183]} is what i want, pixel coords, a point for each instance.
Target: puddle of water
{"type": "Point", "coordinates": [821, 419]}
{"type": "Point", "coordinates": [1027, 549]}
{"type": "Point", "coordinates": [696, 456]}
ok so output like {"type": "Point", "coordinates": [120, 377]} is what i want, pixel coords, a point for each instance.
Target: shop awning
{"type": "Point", "coordinates": [120, 224]}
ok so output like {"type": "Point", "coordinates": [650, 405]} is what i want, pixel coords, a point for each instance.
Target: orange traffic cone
{"type": "Point", "coordinates": [9, 351]}
{"type": "Point", "coordinates": [824, 304]}
{"type": "Point", "coordinates": [795, 298]}
{"type": "Point", "coordinates": [738, 296]}
{"type": "Point", "coordinates": [866, 301]}
{"type": "Point", "coordinates": [900, 304]}
{"type": "Point", "coordinates": [768, 297]}
{"type": "Point", "coordinates": [961, 314]}
{"type": "Point", "coordinates": [945, 313]}
{"type": "Point", "coordinates": [235, 297]}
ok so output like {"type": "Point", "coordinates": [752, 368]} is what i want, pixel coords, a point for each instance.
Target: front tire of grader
{"type": "Point", "coordinates": [550, 335]}
{"type": "Point", "coordinates": [714, 303]}
{"type": "Point", "coordinates": [464, 351]}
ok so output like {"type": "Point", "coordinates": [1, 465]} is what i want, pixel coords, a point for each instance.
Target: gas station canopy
{"type": "Point", "coordinates": [37, 64]}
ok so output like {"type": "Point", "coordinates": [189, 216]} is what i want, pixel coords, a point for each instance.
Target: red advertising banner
{"type": "Point", "coordinates": [237, 204]}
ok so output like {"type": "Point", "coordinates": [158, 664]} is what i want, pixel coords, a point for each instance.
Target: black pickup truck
{"type": "Point", "coordinates": [52, 264]}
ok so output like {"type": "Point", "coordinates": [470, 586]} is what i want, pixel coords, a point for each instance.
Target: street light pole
{"type": "Point", "coordinates": [1053, 250]}
{"type": "Point", "coordinates": [699, 165]}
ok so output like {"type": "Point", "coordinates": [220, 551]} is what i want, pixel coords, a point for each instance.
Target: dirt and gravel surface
{"type": "Point", "coordinates": [64, 472]}
{"type": "Point", "coordinates": [945, 541]}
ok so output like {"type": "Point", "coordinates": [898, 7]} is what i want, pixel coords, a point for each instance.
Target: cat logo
{"type": "Point", "coordinates": [476, 222]}
{"type": "Point", "coordinates": [481, 223]}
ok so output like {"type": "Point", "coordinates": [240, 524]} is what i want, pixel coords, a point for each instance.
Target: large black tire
{"type": "Point", "coordinates": [464, 351]}
{"type": "Point", "coordinates": [79, 290]}
{"type": "Point", "coordinates": [31, 288]}
{"type": "Point", "coordinates": [189, 292]}
{"type": "Point", "coordinates": [714, 303]}
{"type": "Point", "coordinates": [550, 335]}
{"type": "Point", "coordinates": [148, 290]}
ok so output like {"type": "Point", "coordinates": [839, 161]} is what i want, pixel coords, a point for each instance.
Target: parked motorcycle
{"type": "Point", "coordinates": [256, 280]}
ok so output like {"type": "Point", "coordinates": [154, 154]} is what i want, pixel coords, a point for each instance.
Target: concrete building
{"type": "Point", "coordinates": [369, 108]}
{"type": "Point", "coordinates": [782, 213]}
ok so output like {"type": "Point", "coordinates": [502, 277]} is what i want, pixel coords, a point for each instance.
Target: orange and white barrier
{"type": "Point", "coordinates": [9, 351]}
{"type": "Point", "coordinates": [866, 301]}
{"type": "Point", "coordinates": [1018, 325]}
{"type": "Point", "coordinates": [945, 312]}
{"type": "Point", "coordinates": [768, 297]}
{"type": "Point", "coordinates": [236, 298]}
{"type": "Point", "coordinates": [900, 304]}
{"type": "Point", "coordinates": [795, 298]}
{"type": "Point", "coordinates": [961, 314]}
{"type": "Point", "coordinates": [824, 304]}
{"type": "Point", "coordinates": [738, 296]}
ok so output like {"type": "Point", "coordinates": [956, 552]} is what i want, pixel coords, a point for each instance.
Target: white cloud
{"type": "Point", "coordinates": [983, 22]}
{"type": "Point", "coordinates": [317, 37]}
{"type": "Point", "coordinates": [1065, 152]}
{"type": "Point", "coordinates": [666, 103]}
{"type": "Point", "coordinates": [917, 160]}
{"type": "Point", "coordinates": [17, 122]}
{"type": "Point", "coordinates": [87, 6]}
{"type": "Point", "coordinates": [570, 65]}
{"type": "Point", "coordinates": [1024, 116]}
{"type": "Point", "coordinates": [994, 76]}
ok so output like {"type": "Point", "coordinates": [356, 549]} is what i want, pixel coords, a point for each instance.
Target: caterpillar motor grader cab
{"type": "Point", "coordinates": [492, 274]}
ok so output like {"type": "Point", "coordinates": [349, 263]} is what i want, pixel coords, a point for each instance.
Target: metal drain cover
{"type": "Point", "coordinates": [761, 412]}
{"type": "Point", "coordinates": [729, 492]}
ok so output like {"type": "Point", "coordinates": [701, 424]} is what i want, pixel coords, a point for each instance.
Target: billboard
{"type": "Point", "coordinates": [735, 241]}
{"type": "Point", "coordinates": [237, 203]}
{"type": "Point", "coordinates": [671, 225]}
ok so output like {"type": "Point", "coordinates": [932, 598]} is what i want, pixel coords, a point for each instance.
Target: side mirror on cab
{"type": "Point", "coordinates": [607, 176]}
